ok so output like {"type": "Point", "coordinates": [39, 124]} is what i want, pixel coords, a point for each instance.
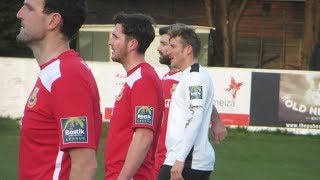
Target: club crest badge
{"type": "Point", "coordinates": [120, 94]}
{"type": "Point", "coordinates": [173, 88]}
{"type": "Point", "coordinates": [195, 92]}
{"type": "Point", "coordinates": [33, 98]}
{"type": "Point", "coordinates": [74, 130]}
{"type": "Point", "coordinates": [144, 115]}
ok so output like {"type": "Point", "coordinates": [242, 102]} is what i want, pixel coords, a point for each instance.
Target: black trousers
{"type": "Point", "coordinates": [187, 174]}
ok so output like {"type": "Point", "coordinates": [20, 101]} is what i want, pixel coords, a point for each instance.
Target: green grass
{"type": "Point", "coordinates": [242, 156]}
{"type": "Point", "coordinates": [9, 142]}
{"type": "Point", "coordinates": [268, 156]}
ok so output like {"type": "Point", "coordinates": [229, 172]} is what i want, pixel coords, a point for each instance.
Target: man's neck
{"type": "Point", "coordinates": [132, 61]}
{"type": "Point", "coordinates": [173, 70]}
{"type": "Point", "coordinates": [44, 51]}
{"type": "Point", "coordinates": [188, 62]}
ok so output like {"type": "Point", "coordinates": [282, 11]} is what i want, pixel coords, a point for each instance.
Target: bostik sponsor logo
{"type": "Point", "coordinates": [195, 92]}
{"type": "Point", "coordinates": [74, 130]}
{"type": "Point", "coordinates": [144, 115]}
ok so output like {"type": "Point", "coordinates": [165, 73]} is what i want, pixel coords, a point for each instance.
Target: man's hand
{"type": "Point", "coordinates": [219, 132]}
{"type": "Point", "coordinates": [176, 170]}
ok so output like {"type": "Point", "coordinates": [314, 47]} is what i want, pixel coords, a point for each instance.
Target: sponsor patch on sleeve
{"type": "Point", "coordinates": [74, 130]}
{"type": "Point", "coordinates": [144, 115]}
{"type": "Point", "coordinates": [195, 92]}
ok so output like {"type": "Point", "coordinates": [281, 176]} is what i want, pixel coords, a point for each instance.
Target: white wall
{"type": "Point", "coordinates": [18, 76]}
{"type": "Point", "coordinates": [17, 79]}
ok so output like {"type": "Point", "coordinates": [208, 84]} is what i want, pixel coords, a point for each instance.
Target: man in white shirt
{"type": "Point", "coordinates": [189, 152]}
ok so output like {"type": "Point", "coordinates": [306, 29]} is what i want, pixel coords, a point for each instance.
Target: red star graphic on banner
{"type": "Point", "coordinates": [234, 87]}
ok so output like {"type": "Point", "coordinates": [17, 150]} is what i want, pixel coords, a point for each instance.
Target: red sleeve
{"type": "Point", "coordinates": [73, 110]}
{"type": "Point", "coordinates": [145, 103]}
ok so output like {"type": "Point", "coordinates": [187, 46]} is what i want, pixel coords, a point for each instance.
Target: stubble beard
{"type": "Point", "coordinates": [120, 58]}
{"type": "Point", "coordinates": [174, 64]}
{"type": "Point", "coordinates": [21, 39]}
{"type": "Point", "coordinates": [28, 40]}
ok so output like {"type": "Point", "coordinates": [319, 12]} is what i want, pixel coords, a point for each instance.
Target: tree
{"type": "Point", "coordinates": [226, 15]}
{"type": "Point", "coordinates": [311, 31]}
{"type": "Point", "coordinates": [9, 29]}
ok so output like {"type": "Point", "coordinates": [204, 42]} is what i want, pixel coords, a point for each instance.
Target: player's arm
{"type": "Point", "coordinates": [190, 135]}
{"type": "Point", "coordinates": [191, 132]}
{"type": "Point", "coordinates": [218, 130]}
{"type": "Point", "coordinates": [138, 149]}
{"type": "Point", "coordinates": [83, 164]}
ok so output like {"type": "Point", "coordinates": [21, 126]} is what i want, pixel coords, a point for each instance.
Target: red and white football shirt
{"type": "Point", "coordinates": [169, 83]}
{"type": "Point", "coordinates": [139, 105]}
{"type": "Point", "coordinates": [63, 111]}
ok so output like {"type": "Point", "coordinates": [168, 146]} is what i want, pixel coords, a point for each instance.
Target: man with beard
{"type": "Point", "coordinates": [62, 120]}
{"type": "Point", "coordinates": [169, 83]}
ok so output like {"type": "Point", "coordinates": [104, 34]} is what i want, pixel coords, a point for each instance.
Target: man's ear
{"type": "Point", "coordinates": [54, 20]}
{"type": "Point", "coordinates": [189, 49]}
{"type": "Point", "coordinates": [133, 44]}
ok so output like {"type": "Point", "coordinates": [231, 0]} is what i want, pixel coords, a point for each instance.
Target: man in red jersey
{"type": "Point", "coordinates": [62, 120]}
{"type": "Point", "coordinates": [137, 114]}
{"type": "Point", "coordinates": [169, 83]}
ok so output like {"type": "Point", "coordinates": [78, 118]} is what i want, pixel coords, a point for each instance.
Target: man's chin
{"type": "Point", "coordinates": [22, 41]}
{"type": "Point", "coordinates": [116, 60]}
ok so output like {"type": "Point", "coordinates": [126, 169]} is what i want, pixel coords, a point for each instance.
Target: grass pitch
{"type": "Point", "coordinates": [242, 156]}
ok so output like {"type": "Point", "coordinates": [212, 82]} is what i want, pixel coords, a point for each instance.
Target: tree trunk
{"type": "Point", "coordinates": [235, 22]}
{"type": "Point", "coordinates": [208, 6]}
{"type": "Point", "coordinates": [216, 50]}
{"type": "Point", "coordinates": [225, 32]}
{"type": "Point", "coordinates": [309, 33]}
{"type": "Point", "coordinates": [317, 22]}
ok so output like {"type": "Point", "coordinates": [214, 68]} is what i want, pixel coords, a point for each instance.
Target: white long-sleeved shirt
{"type": "Point", "coordinates": [189, 119]}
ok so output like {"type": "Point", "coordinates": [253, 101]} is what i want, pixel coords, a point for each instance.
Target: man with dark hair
{"type": "Point", "coordinates": [189, 152]}
{"type": "Point", "coordinates": [169, 83]}
{"type": "Point", "coordinates": [136, 118]}
{"type": "Point", "coordinates": [61, 125]}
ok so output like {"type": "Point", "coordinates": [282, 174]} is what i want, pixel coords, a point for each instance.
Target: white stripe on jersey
{"type": "Point", "coordinates": [57, 169]}
{"type": "Point", "coordinates": [49, 74]}
{"type": "Point", "coordinates": [134, 77]}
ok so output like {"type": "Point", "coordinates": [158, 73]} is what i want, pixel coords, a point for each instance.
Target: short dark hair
{"type": "Point", "coordinates": [164, 30]}
{"type": "Point", "coordinates": [188, 36]}
{"type": "Point", "coordinates": [137, 26]}
{"type": "Point", "coordinates": [73, 13]}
